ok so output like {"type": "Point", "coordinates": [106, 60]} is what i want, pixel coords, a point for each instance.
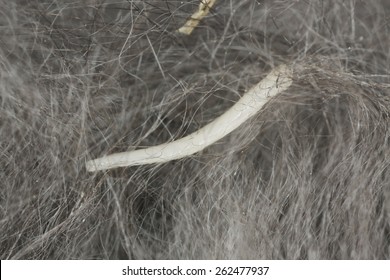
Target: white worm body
{"type": "Point", "coordinates": [192, 23]}
{"type": "Point", "coordinates": [275, 82]}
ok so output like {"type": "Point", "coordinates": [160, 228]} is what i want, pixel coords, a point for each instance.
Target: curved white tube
{"type": "Point", "coordinates": [275, 82]}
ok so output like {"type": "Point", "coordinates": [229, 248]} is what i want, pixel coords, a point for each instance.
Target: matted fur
{"type": "Point", "coordinates": [307, 178]}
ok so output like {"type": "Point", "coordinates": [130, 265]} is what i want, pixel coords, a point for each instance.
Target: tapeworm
{"type": "Point", "coordinates": [278, 80]}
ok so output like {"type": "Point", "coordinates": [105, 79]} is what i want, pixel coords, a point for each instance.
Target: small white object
{"type": "Point", "coordinates": [192, 23]}
{"type": "Point", "coordinates": [275, 82]}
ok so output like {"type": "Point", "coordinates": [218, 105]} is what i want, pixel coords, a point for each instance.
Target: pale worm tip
{"type": "Point", "coordinates": [278, 80]}
{"type": "Point", "coordinates": [193, 21]}
{"type": "Point", "coordinates": [90, 166]}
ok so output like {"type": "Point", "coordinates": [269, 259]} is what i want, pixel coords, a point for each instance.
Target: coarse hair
{"type": "Point", "coordinates": [308, 177]}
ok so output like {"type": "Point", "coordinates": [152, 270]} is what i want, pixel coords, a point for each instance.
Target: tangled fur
{"type": "Point", "coordinates": [307, 178]}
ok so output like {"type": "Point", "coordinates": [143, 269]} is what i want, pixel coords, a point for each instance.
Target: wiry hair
{"type": "Point", "coordinates": [308, 177]}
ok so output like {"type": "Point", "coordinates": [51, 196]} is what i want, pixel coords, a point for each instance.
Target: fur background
{"type": "Point", "coordinates": [307, 178]}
